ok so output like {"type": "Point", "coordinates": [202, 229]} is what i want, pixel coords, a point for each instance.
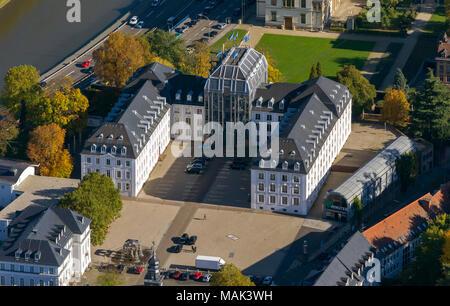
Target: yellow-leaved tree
{"type": "Point", "coordinates": [274, 75]}
{"type": "Point", "coordinates": [119, 57]}
{"type": "Point", "coordinates": [395, 108]}
{"type": "Point", "coordinates": [46, 147]}
{"type": "Point", "coordinates": [230, 275]}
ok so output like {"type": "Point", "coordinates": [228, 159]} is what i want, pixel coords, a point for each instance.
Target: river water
{"type": "Point", "coordinates": [36, 32]}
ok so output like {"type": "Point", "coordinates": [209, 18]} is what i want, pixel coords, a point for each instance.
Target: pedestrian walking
{"type": "Point", "coordinates": [195, 249]}
{"type": "Point", "coordinates": [204, 217]}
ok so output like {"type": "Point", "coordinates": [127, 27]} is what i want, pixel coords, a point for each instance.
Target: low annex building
{"type": "Point", "coordinates": [12, 174]}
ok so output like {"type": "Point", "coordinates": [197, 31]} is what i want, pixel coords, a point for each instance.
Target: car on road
{"type": "Point", "coordinates": [155, 3]}
{"type": "Point", "coordinates": [196, 276]}
{"type": "Point", "coordinates": [220, 26]}
{"type": "Point", "coordinates": [194, 170]}
{"type": "Point", "coordinates": [181, 29]}
{"type": "Point", "coordinates": [139, 25]}
{"type": "Point", "coordinates": [184, 276]}
{"type": "Point", "coordinates": [206, 278]}
{"type": "Point", "coordinates": [134, 20]}
{"type": "Point", "coordinates": [136, 270]}
{"type": "Point", "coordinates": [43, 84]}
{"type": "Point", "coordinates": [85, 64]}
{"type": "Point", "coordinates": [267, 281]}
{"type": "Point", "coordinates": [202, 40]}
{"type": "Point", "coordinates": [175, 274]}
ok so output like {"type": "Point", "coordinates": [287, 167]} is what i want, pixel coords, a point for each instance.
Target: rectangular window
{"type": "Point", "coordinates": [273, 199]}
{"type": "Point", "coordinates": [269, 117]}
{"type": "Point", "coordinates": [284, 178]}
{"type": "Point", "coordinates": [261, 187]}
{"type": "Point", "coordinates": [295, 201]}
{"type": "Point", "coordinates": [119, 174]}
{"type": "Point", "coordinates": [119, 162]}
{"type": "Point", "coordinates": [273, 16]}
{"type": "Point", "coordinates": [284, 189]}
{"type": "Point", "coordinates": [128, 175]}
{"type": "Point", "coordinates": [88, 160]}
{"type": "Point", "coordinates": [302, 18]}
{"type": "Point", "coordinates": [261, 198]}
{"type": "Point", "coordinates": [108, 162]}
{"type": "Point", "coordinates": [296, 179]}
{"type": "Point", "coordinates": [128, 187]}
{"type": "Point", "coordinates": [303, 3]}
{"type": "Point", "coordinates": [272, 188]}
{"type": "Point", "coordinates": [97, 161]}
{"type": "Point", "coordinates": [108, 173]}
{"type": "Point", "coordinates": [199, 111]}
{"type": "Point", "coordinates": [273, 2]}
{"type": "Point", "coordinates": [257, 116]}
{"type": "Point", "coordinates": [127, 163]}
{"type": "Point", "coordinates": [284, 200]}
{"type": "Point", "coordinates": [272, 177]}
{"type": "Point", "coordinates": [261, 175]}
{"type": "Point", "coordinates": [2, 281]}
{"type": "Point", "coordinates": [296, 189]}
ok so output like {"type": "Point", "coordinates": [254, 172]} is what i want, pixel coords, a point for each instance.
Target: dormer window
{"type": "Point", "coordinates": [178, 95]}
{"type": "Point", "coordinates": [100, 136]}
{"type": "Point", "coordinates": [18, 252]}
{"type": "Point", "coordinates": [110, 137]}
{"type": "Point", "coordinates": [37, 255]}
{"type": "Point", "coordinates": [297, 166]}
{"type": "Point", "coordinates": [200, 98]}
{"type": "Point", "coordinates": [93, 148]}
{"type": "Point", "coordinates": [103, 150]}
{"type": "Point", "coordinates": [282, 104]}
{"type": "Point", "coordinates": [124, 150]}
{"type": "Point", "coordinates": [292, 154]}
{"type": "Point", "coordinates": [121, 137]}
{"type": "Point", "coordinates": [259, 101]}
{"type": "Point", "coordinates": [113, 150]}
{"type": "Point", "coordinates": [271, 102]}
{"type": "Point", "coordinates": [189, 96]}
{"type": "Point", "coordinates": [285, 165]}
{"type": "Point", "coordinates": [27, 255]}
{"type": "Point", "coordinates": [281, 152]}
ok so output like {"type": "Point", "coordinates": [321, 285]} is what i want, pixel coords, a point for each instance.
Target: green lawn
{"type": "Point", "coordinates": [436, 24]}
{"type": "Point", "coordinates": [215, 48]}
{"type": "Point", "coordinates": [295, 55]}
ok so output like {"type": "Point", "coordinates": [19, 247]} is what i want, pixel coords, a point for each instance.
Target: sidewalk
{"type": "Point", "coordinates": [426, 10]}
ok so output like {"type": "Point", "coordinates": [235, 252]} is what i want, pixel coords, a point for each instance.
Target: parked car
{"type": "Point", "coordinates": [194, 170]}
{"type": "Point", "coordinates": [85, 64]}
{"type": "Point", "coordinates": [191, 240]}
{"type": "Point", "coordinates": [139, 25]}
{"type": "Point", "coordinates": [211, 34]}
{"type": "Point", "coordinates": [184, 276]}
{"type": "Point", "coordinates": [136, 270]}
{"type": "Point", "coordinates": [202, 40]}
{"type": "Point", "coordinates": [185, 236]}
{"type": "Point", "coordinates": [267, 281]}
{"type": "Point", "coordinates": [222, 25]}
{"type": "Point", "coordinates": [175, 275]}
{"type": "Point", "coordinates": [120, 268]}
{"type": "Point", "coordinates": [196, 276]}
{"type": "Point", "coordinates": [134, 20]}
{"type": "Point", "coordinates": [176, 248]}
{"type": "Point", "coordinates": [206, 278]}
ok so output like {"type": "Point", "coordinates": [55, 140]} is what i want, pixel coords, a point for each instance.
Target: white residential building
{"type": "Point", "coordinates": [315, 122]}
{"type": "Point", "coordinates": [127, 149]}
{"type": "Point", "coordinates": [12, 173]}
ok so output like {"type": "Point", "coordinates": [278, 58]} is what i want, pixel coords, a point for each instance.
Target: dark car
{"type": "Point", "coordinates": [197, 276]}
{"type": "Point", "coordinates": [120, 268]}
{"type": "Point", "coordinates": [176, 248]}
{"type": "Point", "coordinates": [211, 34]}
{"type": "Point", "coordinates": [136, 270]}
{"type": "Point", "coordinates": [191, 240]}
{"type": "Point", "coordinates": [184, 276]}
{"type": "Point", "coordinates": [194, 169]}
{"type": "Point", "coordinates": [202, 40]}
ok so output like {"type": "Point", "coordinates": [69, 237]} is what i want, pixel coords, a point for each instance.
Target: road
{"type": "Point", "coordinates": [156, 17]}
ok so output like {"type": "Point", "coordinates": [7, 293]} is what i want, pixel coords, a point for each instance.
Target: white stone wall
{"type": "Point", "coordinates": [185, 113]}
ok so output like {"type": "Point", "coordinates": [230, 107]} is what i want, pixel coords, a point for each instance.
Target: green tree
{"type": "Point", "coordinates": [21, 85]}
{"type": "Point", "coordinates": [357, 211]}
{"type": "Point", "coordinates": [313, 73]}
{"type": "Point", "coordinates": [167, 46]}
{"type": "Point", "coordinates": [230, 275]}
{"type": "Point", "coordinates": [97, 199]}
{"type": "Point", "coordinates": [119, 57]}
{"type": "Point", "coordinates": [400, 82]}
{"type": "Point", "coordinates": [406, 168]}
{"type": "Point", "coordinates": [430, 117]}
{"type": "Point", "coordinates": [363, 92]}
{"type": "Point", "coordinates": [8, 130]}
{"type": "Point", "coordinates": [427, 269]}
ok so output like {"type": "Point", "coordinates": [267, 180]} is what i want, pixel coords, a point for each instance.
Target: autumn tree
{"type": "Point", "coordinates": [274, 75]}
{"type": "Point", "coordinates": [61, 104]}
{"type": "Point", "coordinates": [395, 108]}
{"type": "Point", "coordinates": [46, 147]}
{"type": "Point", "coordinates": [21, 85]}
{"type": "Point", "coordinates": [357, 211]}
{"type": "Point", "coordinates": [362, 91]}
{"type": "Point", "coordinates": [119, 57]}
{"type": "Point", "coordinates": [8, 130]}
{"type": "Point", "coordinates": [199, 60]}
{"type": "Point", "coordinates": [230, 275]}
{"type": "Point", "coordinates": [97, 199]}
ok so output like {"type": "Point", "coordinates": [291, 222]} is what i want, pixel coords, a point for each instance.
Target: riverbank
{"type": "Point", "coordinates": [3, 3]}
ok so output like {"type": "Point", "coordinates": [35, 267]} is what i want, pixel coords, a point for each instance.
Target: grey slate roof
{"type": "Point", "coordinates": [341, 267]}
{"type": "Point", "coordinates": [43, 230]}
{"type": "Point", "coordinates": [133, 127]}
{"type": "Point", "coordinates": [11, 170]}
{"type": "Point", "coordinates": [305, 105]}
